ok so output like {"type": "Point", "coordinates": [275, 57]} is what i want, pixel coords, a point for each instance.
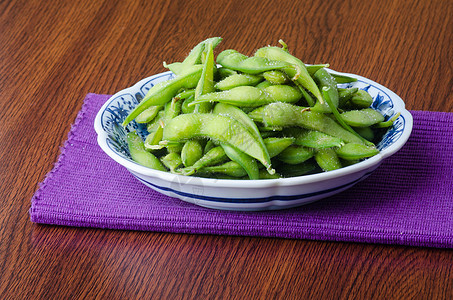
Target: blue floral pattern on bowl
{"type": "Point", "coordinates": [119, 108]}
{"type": "Point", "coordinates": [383, 103]}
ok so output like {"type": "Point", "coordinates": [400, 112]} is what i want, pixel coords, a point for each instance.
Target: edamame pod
{"type": "Point", "coordinates": [311, 69]}
{"type": "Point", "coordinates": [344, 95]}
{"type": "Point", "coordinates": [353, 151]}
{"type": "Point", "coordinates": [140, 155]}
{"type": "Point", "coordinates": [263, 84]}
{"type": "Point", "coordinates": [154, 138]}
{"type": "Point", "coordinates": [338, 117]}
{"type": "Point", "coordinates": [276, 145]}
{"type": "Point", "coordinates": [285, 114]}
{"type": "Point", "coordinates": [149, 114]}
{"type": "Point", "coordinates": [266, 175]}
{"type": "Point", "coordinates": [327, 159]}
{"type": "Point", "coordinates": [234, 60]}
{"type": "Point", "coordinates": [276, 77]}
{"type": "Point", "coordinates": [249, 96]}
{"type": "Point", "coordinates": [294, 154]}
{"type": "Point", "coordinates": [164, 91]}
{"type": "Point", "coordinates": [361, 99]}
{"type": "Point", "coordinates": [387, 123]}
{"type": "Point", "coordinates": [185, 108]}
{"type": "Point", "coordinates": [325, 80]}
{"type": "Point", "coordinates": [194, 56]}
{"type": "Point", "coordinates": [236, 80]}
{"type": "Point", "coordinates": [287, 170]}
{"type": "Point", "coordinates": [209, 145]}
{"type": "Point", "coordinates": [362, 118]}
{"type": "Point", "coordinates": [230, 168]}
{"type": "Point", "coordinates": [240, 116]}
{"type": "Point", "coordinates": [340, 78]}
{"type": "Point", "coordinates": [212, 157]}
{"type": "Point", "coordinates": [223, 73]}
{"type": "Point", "coordinates": [191, 152]}
{"type": "Point", "coordinates": [297, 70]}
{"type": "Point", "coordinates": [247, 162]}
{"type": "Point", "coordinates": [365, 132]}
{"type": "Point", "coordinates": [217, 127]}
{"type": "Point", "coordinates": [206, 83]}
{"type": "Point", "coordinates": [172, 161]}
{"type": "Point", "coordinates": [315, 139]}
{"type": "Point", "coordinates": [171, 110]}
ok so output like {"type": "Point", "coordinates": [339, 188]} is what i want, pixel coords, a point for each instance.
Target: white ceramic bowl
{"type": "Point", "coordinates": [246, 194]}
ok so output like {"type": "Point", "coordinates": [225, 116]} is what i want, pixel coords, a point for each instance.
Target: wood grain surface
{"type": "Point", "coordinates": [52, 53]}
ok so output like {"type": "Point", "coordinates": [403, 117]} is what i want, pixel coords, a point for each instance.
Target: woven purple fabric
{"type": "Point", "coordinates": [408, 200]}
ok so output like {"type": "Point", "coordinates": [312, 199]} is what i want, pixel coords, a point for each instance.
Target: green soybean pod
{"type": "Point", "coordinates": [140, 155]}
{"type": "Point", "coordinates": [209, 145]}
{"type": "Point", "coordinates": [149, 114]}
{"type": "Point", "coordinates": [223, 73]}
{"type": "Point", "coordinates": [312, 69]}
{"type": "Point", "coordinates": [247, 162]}
{"type": "Point", "coordinates": [353, 151]}
{"type": "Point", "coordinates": [191, 152]}
{"type": "Point", "coordinates": [234, 60]}
{"type": "Point", "coordinates": [185, 94]}
{"type": "Point", "coordinates": [249, 96]}
{"type": "Point", "coordinates": [230, 168]}
{"type": "Point", "coordinates": [263, 84]}
{"type": "Point", "coordinates": [186, 108]}
{"type": "Point", "coordinates": [164, 91]}
{"type": "Point", "coordinates": [344, 95]}
{"type": "Point", "coordinates": [313, 138]}
{"type": "Point", "coordinates": [388, 123]}
{"type": "Point", "coordinates": [325, 81]}
{"type": "Point", "coordinates": [212, 157]}
{"type": "Point", "coordinates": [206, 82]}
{"type": "Point", "coordinates": [240, 116]}
{"type": "Point", "coordinates": [294, 154]}
{"type": "Point", "coordinates": [265, 175]}
{"type": "Point", "coordinates": [276, 77]}
{"type": "Point", "coordinates": [318, 140]}
{"type": "Point", "coordinates": [288, 170]}
{"type": "Point", "coordinates": [296, 70]}
{"type": "Point", "coordinates": [172, 161]}
{"type": "Point", "coordinates": [276, 145]}
{"type": "Point", "coordinates": [194, 57]}
{"type": "Point", "coordinates": [327, 159]}
{"type": "Point", "coordinates": [363, 117]}
{"type": "Point", "coordinates": [171, 110]}
{"type": "Point", "coordinates": [220, 128]}
{"type": "Point", "coordinates": [341, 78]}
{"type": "Point", "coordinates": [154, 138]}
{"type": "Point", "coordinates": [236, 80]}
{"type": "Point", "coordinates": [365, 132]}
{"type": "Point", "coordinates": [174, 147]}
{"type": "Point", "coordinates": [156, 122]}
{"type": "Point", "coordinates": [361, 99]}
{"type": "Point", "coordinates": [285, 115]}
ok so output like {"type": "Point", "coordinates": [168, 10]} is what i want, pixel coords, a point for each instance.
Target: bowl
{"type": "Point", "coordinates": [247, 195]}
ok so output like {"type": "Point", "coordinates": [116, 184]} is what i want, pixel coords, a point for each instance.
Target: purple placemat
{"type": "Point", "coordinates": [407, 201]}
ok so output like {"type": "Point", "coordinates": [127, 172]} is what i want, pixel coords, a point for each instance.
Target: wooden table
{"type": "Point", "coordinates": [52, 53]}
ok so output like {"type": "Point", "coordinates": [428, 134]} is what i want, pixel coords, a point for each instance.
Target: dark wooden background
{"type": "Point", "coordinates": [52, 53]}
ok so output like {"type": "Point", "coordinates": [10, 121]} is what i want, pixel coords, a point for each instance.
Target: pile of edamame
{"type": "Point", "coordinates": [260, 117]}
